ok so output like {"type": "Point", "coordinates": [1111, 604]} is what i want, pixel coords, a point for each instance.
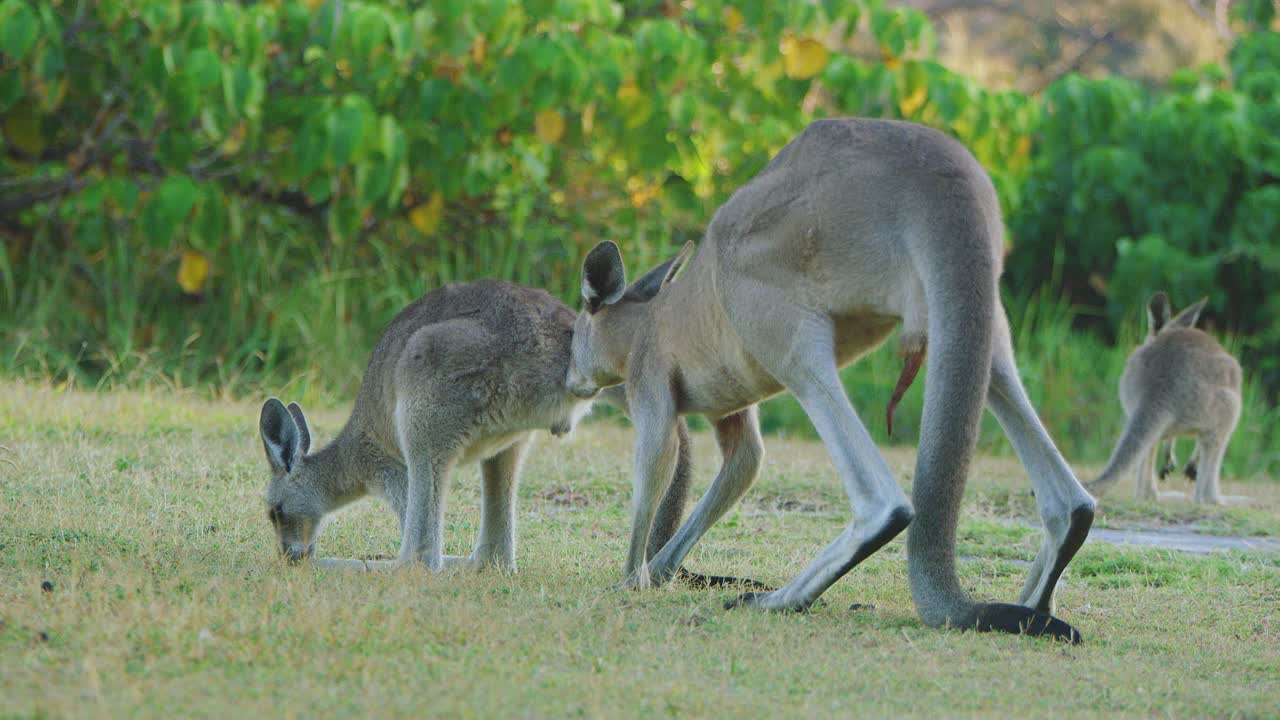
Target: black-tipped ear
{"type": "Point", "coordinates": [304, 433]}
{"type": "Point", "coordinates": [1188, 317]}
{"type": "Point", "coordinates": [280, 436]}
{"type": "Point", "coordinates": [1157, 313]}
{"type": "Point", "coordinates": [644, 289]}
{"type": "Point", "coordinates": [604, 279]}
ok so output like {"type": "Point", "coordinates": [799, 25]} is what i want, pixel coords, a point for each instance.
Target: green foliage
{"type": "Point", "coordinates": [285, 140]}
{"type": "Point", "coordinates": [1132, 192]}
{"type": "Point", "coordinates": [243, 194]}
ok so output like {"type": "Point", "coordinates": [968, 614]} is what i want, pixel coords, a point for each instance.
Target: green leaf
{"type": "Point", "coordinates": [181, 98]}
{"type": "Point", "coordinates": [373, 178]}
{"type": "Point", "coordinates": [211, 219]}
{"type": "Point", "coordinates": [175, 147]}
{"type": "Point", "coordinates": [312, 144]}
{"type": "Point", "coordinates": [10, 90]}
{"type": "Point", "coordinates": [319, 188]}
{"type": "Point", "coordinates": [347, 128]}
{"type": "Point", "coordinates": [19, 29]}
{"type": "Point", "coordinates": [167, 209]}
{"type": "Point", "coordinates": [204, 67]}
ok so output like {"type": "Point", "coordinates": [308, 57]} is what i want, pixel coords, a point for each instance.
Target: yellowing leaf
{"type": "Point", "coordinates": [636, 106]}
{"type": "Point", "coordinates": [312, 4]}
{"type": "Point", "coordinates": [22, 129]}
{"type": "Point", "coordinates": [479, 49]}
{"type": "Point", "coordinates": [891, 61]}
{"type": "Point", "coordinates": [909, 104]}
{"type": "Point", "coordinates": [732, 18]}
{"type": "Point", "coordinates": [628, 91]}
{"type": "Point", "coordinates": [426, 217]}
{"type": "Point", "coordinates": [548, 125]}
{"type": "Point", "coordinates": [1023, 148]}
{"type": "Point", "coordinates": [802, 58]}
{"type": "Point", "coordinates": [588, 118]}
{"type": "Point", "coordinates": [192, 272]}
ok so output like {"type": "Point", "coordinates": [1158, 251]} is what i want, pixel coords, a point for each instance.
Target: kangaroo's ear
{"type": "Point", "coordinates": [678, 262]}
{"type": "Point", "coordinates": [604, 279]}
{"type": "Point", "coordinates": [304, 433]}
{"type": "Point", "coordinates": [280, 436]}
{"type": "Point", "coordinates": [659, 277]}
{"type": "Point", "coordinates": [1157, 313]}
{"type": "Point", "coordinates": [1188, 317]}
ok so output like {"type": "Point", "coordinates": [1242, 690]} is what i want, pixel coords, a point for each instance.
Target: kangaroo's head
{"type": "Point", "coordinates": [1158, 315]}
{"type": "Point", "coordinates": [604, 330]}
{"type": "Point", "coordinates": [296, 504]}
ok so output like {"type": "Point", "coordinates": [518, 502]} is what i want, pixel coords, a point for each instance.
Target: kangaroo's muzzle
{"type": "Point", "coordinates": [297, 553]}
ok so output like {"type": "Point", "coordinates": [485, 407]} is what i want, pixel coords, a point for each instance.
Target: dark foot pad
{"type": "Point", "coordinates": [703, 582]}
{"type": "Point", "coordinates": [1000, 617]}
{"type": "Point", "coordinates": [1190, 471]}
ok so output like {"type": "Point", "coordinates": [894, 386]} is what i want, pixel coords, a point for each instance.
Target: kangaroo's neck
{"type": "Point", "coordinates": [347, 469]}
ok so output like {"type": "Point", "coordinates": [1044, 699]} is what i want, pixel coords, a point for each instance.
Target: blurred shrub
{"type": "Point", "coordinates": [1131, 192]}
{"type": "Point", "coordinates": [215, 190]}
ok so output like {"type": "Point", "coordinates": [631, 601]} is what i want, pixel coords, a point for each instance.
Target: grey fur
{"type": "Point", "coordinates": [467, 373]}
{"type": "Point", "coordinates": [1179, 381]}
{"type": "Point", "coordinates": [854, 227]}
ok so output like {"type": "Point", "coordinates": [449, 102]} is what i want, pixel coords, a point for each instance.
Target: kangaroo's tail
{"type": "Point", "coordinates": [1144, 428]}
{"type": "Point", "coordinates": [960, 275]}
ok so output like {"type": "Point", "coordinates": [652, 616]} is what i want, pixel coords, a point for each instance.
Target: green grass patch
{"type": "Point", "coordinates": [143, 510]}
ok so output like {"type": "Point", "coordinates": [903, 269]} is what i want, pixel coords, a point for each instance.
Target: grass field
{"type": "Point", "coordinates": [143, 510]}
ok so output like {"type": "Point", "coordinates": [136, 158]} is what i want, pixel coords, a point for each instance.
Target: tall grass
{"type": "Point", "coordinates": [298, 319]}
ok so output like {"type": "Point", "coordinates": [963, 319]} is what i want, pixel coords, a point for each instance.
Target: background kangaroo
{"type": "Point", "coordinates": [466, 373]}
{"type": "Point", "coordinates": [854, 227]}
{"type": "Point", "coordinates": [1179, 381]}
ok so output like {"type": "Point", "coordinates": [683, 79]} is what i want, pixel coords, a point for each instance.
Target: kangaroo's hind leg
{"type": "Point", "coordinates": [799, 352]}
{"type": "Point", "coordinates": [496, 544]}
{"type": "Point", "coordinates": [1168, 459]}
{"type": "Point", "coordinates": [1146, 478]}
{"type": "Point", "coordinates": [1212, 446]}
{"type": "Point", "coordinates": [1066, 509]}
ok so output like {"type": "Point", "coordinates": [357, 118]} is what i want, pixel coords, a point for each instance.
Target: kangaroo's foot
{"type": "Point", "coordinates": [703, 582]}
{"type": "Point", "coordinates": [765, 601]}
{"type": "Point", "coordinates": [854, 545]}
{"type": "Point", "coordinates": [1020, 620]}
{"type": "Point", "coordinates": [356, 564]}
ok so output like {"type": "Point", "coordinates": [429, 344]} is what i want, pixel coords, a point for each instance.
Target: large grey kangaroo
{"type": "Point", "coordinates": [1179, 381]}
{"type": "Point", "coordinates": [854, 227]}
{"type": "Point", "coordinates": [466, 373]}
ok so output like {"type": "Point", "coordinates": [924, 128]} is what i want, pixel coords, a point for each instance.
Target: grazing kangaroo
{"type": "Point", "coordinates": [1179, 381]}
{"type": "Point", "coordinates": [854, 227]}
{"type": "Point", "coordinates": [466, 373]}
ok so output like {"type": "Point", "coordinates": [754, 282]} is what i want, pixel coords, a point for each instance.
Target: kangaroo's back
{"type": "Point", "coordinates": [1185, 373]}
{"type": "Point", "coordinates": [509, 342]}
